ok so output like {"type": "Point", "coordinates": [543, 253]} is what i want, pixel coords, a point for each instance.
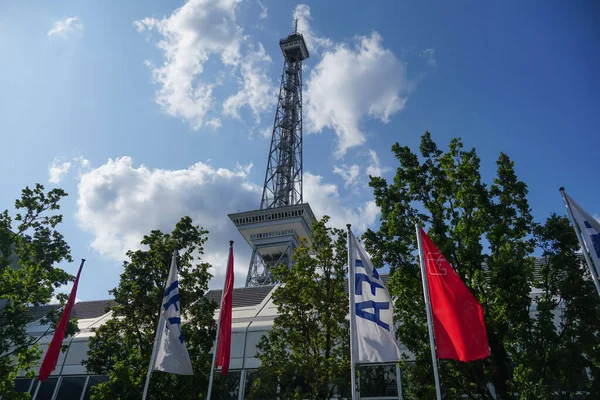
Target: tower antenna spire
{"type": "Point", "coordinates": [296, 26]}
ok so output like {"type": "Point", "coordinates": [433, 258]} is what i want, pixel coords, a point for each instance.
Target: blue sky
{"type": "Point", "coordinates": [141, 105]}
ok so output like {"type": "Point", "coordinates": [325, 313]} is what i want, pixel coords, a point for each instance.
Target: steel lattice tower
{"type": "Point", "coordinates": [283, 178]}
{"type": "Point", "coordinates": [274, 230]}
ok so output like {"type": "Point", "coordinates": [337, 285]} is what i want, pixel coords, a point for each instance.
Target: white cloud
{"type": "Point", "coordinates": [82, 162]}
{"type": "Point", "coordinates": [63, 27]}
{"type": "Point", "coordinates": [118, 203]}
{"type": "Point", "coordinates": [354, 82]}
{"type": "Point", "coordinates": [348, 174]}
{"type": "Point", "coordinates": [374, 169]}
{"type": "Point", "coordinates": [314, 43]}
{"type": "Point", "coordinates": [255, 88]}
{"type": "Point", "coordinates": [324, 199]}
{"type": "Point", "coordinates": [428, 56]}
{"type": "Point", "coordinates": [214, 123]}
{"type": "Point", "coordinates": [57, 170]}
{"type": "Point", "coordinates": [189, 37]}
{"type": "Point", "coordinates": [266, 133]}
{"type": "Point", "coordinates": [263, 12]}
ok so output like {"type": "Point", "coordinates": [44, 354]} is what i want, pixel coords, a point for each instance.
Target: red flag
{"type": "Point", "coordinates": [224, 339]}
{"type": "Point", "coordinates": [51, 357]}
{"type": "Point", "coordinates": [458, 322]}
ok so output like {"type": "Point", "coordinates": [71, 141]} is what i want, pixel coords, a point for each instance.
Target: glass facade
{"type": "Point", "coordinates": [93, 381]}
{"type": "Point", "coordinates": [46, 390]}
{"type": "Point", "coordinates": [22, 385]}
{"type": "Point", "coordinates": [60, 388]}
{"type": "Point", "coordinates": [378, 381]}
{"type": "Point", "coordinates": [226, 387]}
{"type": "Point", "coordinates": [71, 387]}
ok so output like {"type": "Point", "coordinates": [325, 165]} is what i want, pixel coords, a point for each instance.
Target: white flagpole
{"type": "Point", "coordinates": [576, 227]}
{"type": "Point", "coordinates": [214, 357]}
{"type": "Point", "coordinates": [351, 279]}
{"type": "Point", "coordinates": [157, 338]}
{"type": "Point", "coordinates": [159, 330]}
{"type": "Point", "coordinates": [428, 308]}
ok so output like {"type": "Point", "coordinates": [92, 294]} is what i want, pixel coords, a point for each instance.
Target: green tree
{"type": "Point", "coordinates": [30, 247]}
{"type": "Point", "coordinates": [121, 348]}
{"type": "Point", "coordinates": [487, 233]}
{"type": "Point", "coordinates": [562, 337]}
{"type": "Point", "coordinates": [306, 354]}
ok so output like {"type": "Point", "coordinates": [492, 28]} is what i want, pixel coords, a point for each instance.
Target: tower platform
{"type": "Point", "coordinates": [273, 234]}
{"type": "Point", "coordinates": [271, 229]}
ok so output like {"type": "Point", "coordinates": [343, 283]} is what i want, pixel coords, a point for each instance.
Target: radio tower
{"type": "Point", "coordinates": [274, 230]}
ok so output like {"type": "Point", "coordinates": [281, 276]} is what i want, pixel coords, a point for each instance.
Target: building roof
{"type": "Point", "coordinates": [41, 311]}
{"type": "Point", "coordinates": [243, 297]}
{"type": "Point", "coordinates": [81, 310]}
{"type": "Point", "coordinates": [90, 309]}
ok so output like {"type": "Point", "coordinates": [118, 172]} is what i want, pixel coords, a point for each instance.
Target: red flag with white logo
{"type": "Point", "coordinates": [458, 323]}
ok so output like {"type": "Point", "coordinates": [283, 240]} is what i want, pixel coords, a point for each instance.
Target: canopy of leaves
{"type": "Point", "coordinates": [30, 247]}
{"type": "Point", "coordinates": [306, 354]}
{"type": "Point", "coordinates": [121, 348]}
{"type": "Point", "coordinates": [487, 233]}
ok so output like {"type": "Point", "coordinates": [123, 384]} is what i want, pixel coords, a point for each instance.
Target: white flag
{"type": "Point", "coordinates": [171, 354]}
{"type": "Point", "coordinates": [373, 330]}
{"type": "Point", "coordinates": [590, 230]}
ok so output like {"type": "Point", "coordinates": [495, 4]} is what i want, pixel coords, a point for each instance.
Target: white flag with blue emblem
{"type": "Point", "coordinates": [373, 316]}
{"type": "Point", "coordinates": [171, 354]}
{"type": "Point", "coordinates": [590, 230]}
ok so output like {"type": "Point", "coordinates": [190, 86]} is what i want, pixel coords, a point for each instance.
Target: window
{"type": "Point", "coordinates": [22, 385]}
{"type": "Point", "coordinates": [226, 387]}
{"type": "Point", "coordinates": [378, 381]}
{"type": "Point", "coordinates": [250, 376]}
{"type": "Point", "coordinates": [71, 387]}
{"type": "Point", "coordinates": [47, 389]}
{"type": "Point", "coordinates": [94, 380]}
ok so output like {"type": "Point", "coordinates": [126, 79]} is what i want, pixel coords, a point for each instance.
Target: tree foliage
{"type": "Point", "coordinates": [487, 233]}
{"type": "Point", "coordinates": [121, 348]}
{"type": "Point", "coordinates": [306, 354]}
{"type": "Point", "coordinates": [30, 248]}
{"type": "Point", "coordinates": [563, 338]}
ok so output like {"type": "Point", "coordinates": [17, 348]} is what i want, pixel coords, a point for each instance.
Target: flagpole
{"type": "Point", "coordinates": [576, 227]}
{"type": "Point", "coordinates": [351, 288]}
{"type": "Point", "coordinates": [214, 357]}
{"type": "Point", "coordinates": [428, 308]}
{"type": "Point", "coordinates": [157, 339]}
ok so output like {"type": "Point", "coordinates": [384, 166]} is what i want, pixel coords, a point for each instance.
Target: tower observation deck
{"type": "Point", "coordinates": [274, 230]}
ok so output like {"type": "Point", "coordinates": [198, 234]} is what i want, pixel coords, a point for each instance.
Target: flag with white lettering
{"type": "Point", "coordinates": [374, 333]}
{"type": "Point", "coordinates": [171, 354]}
{"type": "Point", "coordinates": [590, 230]}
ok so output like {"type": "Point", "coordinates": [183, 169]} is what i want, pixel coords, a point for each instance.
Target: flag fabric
{"type": "Point", "coordinates": [171, 354]}
{"type": "Point", "coordinates": [458, 323]}
{"type": "Point", "coordinates": [590, 230]}
{"type": "Point", "coordinates": [373, 330]}
{"type": "Point", "coordinates": [224, 339]}
{"type": "Point", "coordinates": [53, 352]}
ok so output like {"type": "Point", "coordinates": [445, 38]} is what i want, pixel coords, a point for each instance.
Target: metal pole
{"type": "Point", "coordinates": [428, 308]}
{"type": "Point", "coordinates": [352, 313]}
{"type": "Point", "coordinates": [399, 382]}
{"type": "Point", "coordinates": [576, 227]}
{"type": "Point", "coordinates": [157, 339]}
{"type": "Point", "coordinates": [214, 357]}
